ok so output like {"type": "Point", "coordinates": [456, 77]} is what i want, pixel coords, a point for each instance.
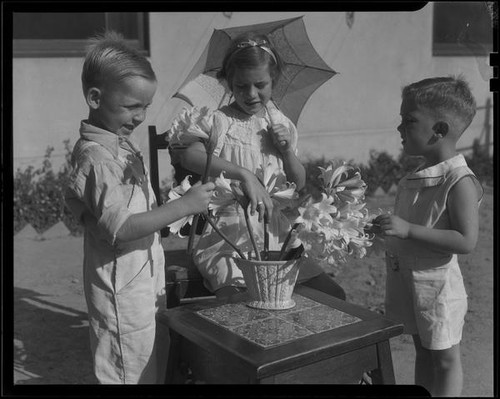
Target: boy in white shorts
{"type": "Point", "coordinates": [435, 218]}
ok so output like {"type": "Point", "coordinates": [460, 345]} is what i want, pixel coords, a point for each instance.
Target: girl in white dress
{"type": "Point", "coordinates": [247, 140]}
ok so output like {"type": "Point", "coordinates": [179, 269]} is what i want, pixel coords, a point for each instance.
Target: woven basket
{"type": "Point", "coordinates": [270, 283]}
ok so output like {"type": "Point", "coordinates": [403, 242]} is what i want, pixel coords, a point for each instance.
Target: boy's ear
{"type": "Point", "coordinates": [441, 129]}
{"type": "Point", "coordinates": [93, 97]}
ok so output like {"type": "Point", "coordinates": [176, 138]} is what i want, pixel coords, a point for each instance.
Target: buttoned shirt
{"type": "Point", "coordinates": [110, 181]}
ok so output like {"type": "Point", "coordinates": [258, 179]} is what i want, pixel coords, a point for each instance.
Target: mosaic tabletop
{"type": "Point", "coordinates": [268, 328]}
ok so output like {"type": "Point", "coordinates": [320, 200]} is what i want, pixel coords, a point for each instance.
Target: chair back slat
{"type": "Point", "coordinates": [156, 142]}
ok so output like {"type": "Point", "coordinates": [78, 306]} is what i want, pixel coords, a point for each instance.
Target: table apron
{"type": "Point", "coordinates": [224, 368]}
{"type": "Point", "coordinates": [347, 368]}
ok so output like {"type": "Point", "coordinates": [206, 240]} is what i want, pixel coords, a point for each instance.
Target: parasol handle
{"type": "Point", "coordinates": [282, 143]}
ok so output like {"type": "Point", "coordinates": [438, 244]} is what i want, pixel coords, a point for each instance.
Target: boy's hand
{"type": "Point", "coordinates": [373, 228]}
{"type": "Point", "coordinates": [281, 136]}
{"type": "Point", "coordinates": [198, 197]}
{"type": "Point", "coordinates": [391, 225]}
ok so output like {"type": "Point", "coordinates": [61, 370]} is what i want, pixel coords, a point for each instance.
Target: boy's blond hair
{"type": "Point", "coordinates": [110, 60]}
{"type": "Point", "coordinates": [449, 98]}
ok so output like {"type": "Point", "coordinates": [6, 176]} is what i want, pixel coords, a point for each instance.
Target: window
{"type": "Point", "coordinates": [463, 28]}
{"type": "Point", "coordinates": [65, 34]}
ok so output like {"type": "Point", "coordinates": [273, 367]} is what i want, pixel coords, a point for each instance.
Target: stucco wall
{"type": "Point", "coordinates": [355, 111]}
{"type": "Point", "coordinates": [47, 106]}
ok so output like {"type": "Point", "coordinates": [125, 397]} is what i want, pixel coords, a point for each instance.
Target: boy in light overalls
{"type": "Point", "coordinates": [110, 193]}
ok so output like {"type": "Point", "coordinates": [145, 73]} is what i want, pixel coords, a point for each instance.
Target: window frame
{"type": "Point", "coordinates": [46, 48]}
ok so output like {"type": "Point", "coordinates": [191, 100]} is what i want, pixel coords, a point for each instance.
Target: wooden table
{"type": "Point", "coordinates": [321, 340]}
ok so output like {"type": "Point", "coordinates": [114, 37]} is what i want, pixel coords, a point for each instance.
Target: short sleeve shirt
{"type": "Point", "coordinates": [109, 180]}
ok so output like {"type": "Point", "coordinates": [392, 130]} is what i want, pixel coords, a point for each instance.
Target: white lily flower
{"type": "Point", "coordinates": [316, 213]}
{"type": "Point", "coordinates": [282, 193]}
{"type": "Point", "coordinates": [330, 176]}
{"type": "Point", "coordinates": [194, 124]}
{"type": "Point", "coordinates": [331, 229]}
{"type": "Point", "coordinates": [174, 194]}
{"type": "Point", "coordinates": [223, 195]}
{"type": "Point", "coordinates": [343, 182]}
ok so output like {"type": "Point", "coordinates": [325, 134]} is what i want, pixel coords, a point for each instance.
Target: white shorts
{"type": "Point", "coordinates": [431, 303]}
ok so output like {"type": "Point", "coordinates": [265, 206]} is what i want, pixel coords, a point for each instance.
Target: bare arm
{"type": "Point", "coordinates": [194, 158]}
{"type": "Point", "coordinates": [463, 212]}
{"type": "Point", "coordinates": [294, 170]}
{"type": "Point", "coordinates": [140, 225]}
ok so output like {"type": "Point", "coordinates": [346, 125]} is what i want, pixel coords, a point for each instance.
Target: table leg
{"type": "Point", "coordinates": [384, 374]}
{"type": "Point", "coordinates": [176, 373]}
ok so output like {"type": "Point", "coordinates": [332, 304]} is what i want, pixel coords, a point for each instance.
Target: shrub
{"type": "Point", "coordinates": [481, 163]}
{"type": "Point", "coordinates": [39, 195]}
{"type": "Point", "coordinates": [384, 171]}
{"type": "Point", "coordinates": [313, 182]}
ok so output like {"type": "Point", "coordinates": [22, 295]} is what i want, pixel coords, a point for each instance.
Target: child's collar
{"type": "Point", "coordinates": [109, 140]}
{"type": "Point", "coordinates": [236, 108]}
{"type": "Point", "coordinates": [433, 175]}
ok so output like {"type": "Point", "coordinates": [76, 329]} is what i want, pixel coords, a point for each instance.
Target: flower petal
{"type": "Point", "coordinates": [192, 125]}
{"type": "Point", "coordinates": [175, 227]}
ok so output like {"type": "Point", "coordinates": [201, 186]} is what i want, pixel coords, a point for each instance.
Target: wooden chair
{"type": "Point", "coordinates": [183, 280]}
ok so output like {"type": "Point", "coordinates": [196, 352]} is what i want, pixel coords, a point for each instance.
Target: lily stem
{"type": "Point", "coordinates": [287, 240]}
{"type": "Point", "coordinates": [214, 226]}
{"type": "Point", "coordinates": [266, 237]}
{"type": "Point", "coordinates": [250, 233]}
{"type": "Point", "coordinates": [197, 217]}
{"type": "Point", "coordinates": [192, 233]}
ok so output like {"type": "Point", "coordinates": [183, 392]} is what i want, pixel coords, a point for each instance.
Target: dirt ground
{"type": "Point", "coordinates": [51, 329]}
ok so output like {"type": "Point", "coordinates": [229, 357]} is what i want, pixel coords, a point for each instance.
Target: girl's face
{"type": "Point", "coordinates": [121, 107]}
{"type": "Point", "coordinates": [252, 88]}
{"type": "Point", "coordinates": [416, 129]}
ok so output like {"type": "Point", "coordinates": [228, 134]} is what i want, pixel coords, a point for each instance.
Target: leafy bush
{"type": "Point", "coordinates": [313, 182]}
{"type": "Point", "coordinates": [384, 171]}
{"type": "Point", "coordinates": [481, 163]}
{"type": "Point", "coordinates": [39, 195]}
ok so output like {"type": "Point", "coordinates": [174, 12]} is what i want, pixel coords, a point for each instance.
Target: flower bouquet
{"type": "Point", "coordinates": [330, 228]}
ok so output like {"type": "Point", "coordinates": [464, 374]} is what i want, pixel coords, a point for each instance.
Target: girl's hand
{"type": "Point", "coordinates": [391, 225]}
{"type": "Point", "coordinates": [198, 197]}
{"type": "Point", "coordinates": [257, 195]}
{"type": "Point", "coordinates": [281, 137]}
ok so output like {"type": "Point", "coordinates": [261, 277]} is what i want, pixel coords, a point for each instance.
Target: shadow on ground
{"type": "Point", "coordinates": [44, 329]}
